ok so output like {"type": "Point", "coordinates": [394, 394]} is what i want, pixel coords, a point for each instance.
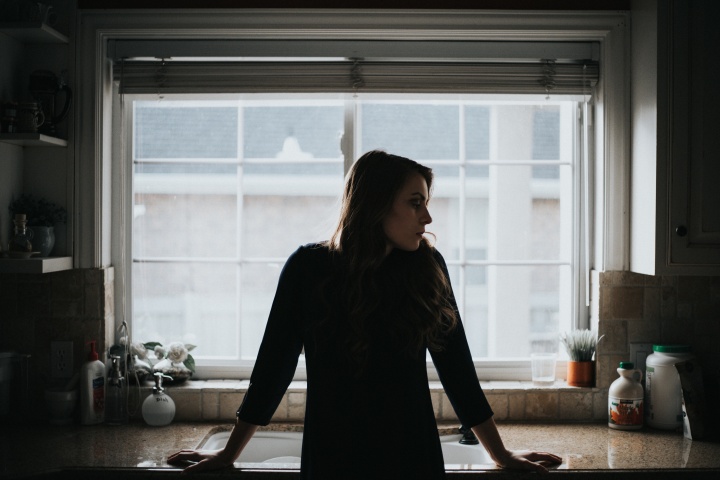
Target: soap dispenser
{"type": "Point", "coordinates": [158, 409]}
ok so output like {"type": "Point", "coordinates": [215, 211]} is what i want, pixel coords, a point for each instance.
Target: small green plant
{"type": "Point", "coordinates": [38, 211]}
{"type": "Point", "coordinates": [580, 344]}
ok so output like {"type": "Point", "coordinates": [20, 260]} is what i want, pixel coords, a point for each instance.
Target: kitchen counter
{"type": "Point", "coordinates": [109, 452]}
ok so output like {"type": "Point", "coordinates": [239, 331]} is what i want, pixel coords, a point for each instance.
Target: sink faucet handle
{"type": "Point", "coordinates": [469, 437]}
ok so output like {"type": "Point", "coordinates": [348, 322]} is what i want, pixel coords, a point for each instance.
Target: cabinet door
{"type": "Point", "coordinates": [694, 142]}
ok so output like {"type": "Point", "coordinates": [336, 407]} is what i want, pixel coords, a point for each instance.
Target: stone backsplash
{"type": "Point", "coordinates": [634, 308]}
{"type": "Point", "coordinates": [77, 305]}
{"type": "Point", "coordinates": [212, 400]}
{"type": "Point", "coordinates": [72, 305]}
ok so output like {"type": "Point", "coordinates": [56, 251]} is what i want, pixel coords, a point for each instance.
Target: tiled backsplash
{"type": "Point", "coordinates": [516, 401]}
{"type": "Point", "coordinates": [635, 308]}
{"type": "Point", "coordinates": [77, 305]}
{"type": "Point", "coordinates": [74, 305]}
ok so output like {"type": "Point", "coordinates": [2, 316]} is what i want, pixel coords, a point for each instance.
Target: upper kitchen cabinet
{"type": "Point", "coordinates": [28, 32]}
{"type": "Point", "coordinates": [35, 54]}
{"type": "Point", "coordinates": [675, 179]}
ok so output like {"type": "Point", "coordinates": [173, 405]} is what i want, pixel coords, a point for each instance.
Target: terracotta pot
{"type": "Point", "coordinates": [581, 374]}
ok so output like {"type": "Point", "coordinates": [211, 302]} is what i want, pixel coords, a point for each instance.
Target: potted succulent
{"type": "Point", "coordinates": [42, 216]}
{"type": "Point", "coordinates": [580, 346]}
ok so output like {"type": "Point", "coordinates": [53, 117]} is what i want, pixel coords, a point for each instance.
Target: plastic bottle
{"type": "Point", "coordinates": [158, 409]}
{"type": "Point", "coordinates": [116, 395]}
{"type": "Point", "coordinates": [663, 393]}
{"type": "Point", "coordinates": [92, 389]}
{"type": "Point", "coordinates": [625, 399]}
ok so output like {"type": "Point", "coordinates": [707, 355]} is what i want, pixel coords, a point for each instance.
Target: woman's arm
{"type": "Point", "coordinates": [241, 434]}
{"type": "Point", "coordinates": [488, 434]}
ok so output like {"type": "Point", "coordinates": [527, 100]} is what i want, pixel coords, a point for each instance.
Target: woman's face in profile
{"type": "Point", "coordinates": [404, 225]}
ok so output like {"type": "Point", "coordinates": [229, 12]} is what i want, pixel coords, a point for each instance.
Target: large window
{"type": "Point", "coordinates": [225, 187]}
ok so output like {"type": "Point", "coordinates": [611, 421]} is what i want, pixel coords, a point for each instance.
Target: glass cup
{"type": "Point", "coordinates": [543, 368]}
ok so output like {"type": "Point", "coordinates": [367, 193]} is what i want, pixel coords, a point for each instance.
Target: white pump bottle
{"type": "Point", "coordinates": [158, 409]}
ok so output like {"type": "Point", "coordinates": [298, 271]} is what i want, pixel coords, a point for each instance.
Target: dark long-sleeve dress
{"type": "Point", "coordinates": [371, 422]}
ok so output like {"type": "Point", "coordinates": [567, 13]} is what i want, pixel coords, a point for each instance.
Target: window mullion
{"type": "Point", "coordinates": [239, 201]}
{"type": "Point", "coordinates": [348, 144]}
{"type": "Point", "coordinates": [461, 209]}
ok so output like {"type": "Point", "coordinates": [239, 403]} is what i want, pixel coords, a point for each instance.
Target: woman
{"type": "Point", "coordinates": [366, 306]}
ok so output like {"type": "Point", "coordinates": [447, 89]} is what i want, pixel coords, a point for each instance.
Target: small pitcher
{"type": "Point", "coordinates": [30, 117]}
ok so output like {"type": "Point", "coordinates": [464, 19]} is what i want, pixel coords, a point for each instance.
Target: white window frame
{"type": "Point", "coordinates": [101, 187]}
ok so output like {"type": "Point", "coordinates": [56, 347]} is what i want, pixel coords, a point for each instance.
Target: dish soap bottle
{"type": "Point", "coordinates": [625, 399]}
{"type": "Point", "coordinates": [116, 395]}
{"type": "Point", "coordinates": [92, 389]}
{"type": "Point", "coordinates": [158, 409]}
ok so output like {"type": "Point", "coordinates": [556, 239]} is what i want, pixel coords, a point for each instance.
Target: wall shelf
{"type": "Point", "coordinates": [32, 32]}
{"type": "Point", "coordinates": [35, 265]}
{"type": "Point", "coordinates": [32, 140]}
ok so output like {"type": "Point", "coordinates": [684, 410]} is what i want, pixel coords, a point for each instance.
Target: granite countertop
{"type": "Point", "coordinates": [592, 450]}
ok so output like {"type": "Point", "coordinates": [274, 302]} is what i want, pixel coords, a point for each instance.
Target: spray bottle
{"type": "Point", "coordinates": [116, 395]}
{"type": "Point", "coordinates": [92, 389]}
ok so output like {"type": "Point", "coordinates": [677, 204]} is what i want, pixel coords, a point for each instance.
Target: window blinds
{"type": "Point", "coordinates": [434, 68]}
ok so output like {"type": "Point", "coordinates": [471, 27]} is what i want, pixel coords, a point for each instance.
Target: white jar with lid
{"type": "Point", "coordinates": [663, 392]}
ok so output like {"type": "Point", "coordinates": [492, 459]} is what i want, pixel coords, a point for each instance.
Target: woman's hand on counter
{"type": "Point", "coordinates": [527, 460]}
{"type": "Point", "coordinates": [488, 434]}
{"type": "Point", "coordinates": [200, 460]}
{"type": "Point", "coordinates": [241, 434]}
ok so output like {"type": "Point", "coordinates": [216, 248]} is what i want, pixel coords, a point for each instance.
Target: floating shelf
{"type": "Point", "coordinates": [32, 140]}
{"type": "Point", "coordinates": [35, 265]}
{"type": "Point", "coordinates": [32, 32]}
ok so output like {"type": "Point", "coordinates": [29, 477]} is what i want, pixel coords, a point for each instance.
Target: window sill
{"type": "Point", "coordinates": [211, 400]}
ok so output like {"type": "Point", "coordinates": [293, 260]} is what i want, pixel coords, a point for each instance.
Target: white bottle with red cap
{"type": "Point", "coordinates": [92, 389]}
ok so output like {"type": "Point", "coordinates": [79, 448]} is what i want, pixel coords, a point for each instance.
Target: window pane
{"type": "Point", "coordinates": [444, 208]}
{"type": "Point", "coordinates": [546, 140]}
{"type": "Point", "coordinates": [525, 218]}
{"type": "Point", "coordinates": [420, 131]}
{"type": "Point", "coordinates": [181, 216]}
{"type": "Point", "coordinates": [172, 300]}
{"type": "Point", "coordinates": [258, 285]}
{"type": "Point", "coordinates": [276, 225]}
{"type": "Point", "coordinates": [242, 182]}
{"type": "Point", "coordinates": [164, 130]}
{"type": "Point", "coordinates": [196, 197]}
{"type": "Point", "coordinates": [476, 228]}
{"type": "Point", "coordinates": [476, 311]}
{"type": "Point", "coordinates": [477, 136]}
{"type": "Point", "coordinates": [316, 129]}
{"type": "Point", "coordinates": [511, 311]}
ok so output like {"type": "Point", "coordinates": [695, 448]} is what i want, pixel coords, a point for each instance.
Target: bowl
{"type": "Point", "coordinates": [60, 406]}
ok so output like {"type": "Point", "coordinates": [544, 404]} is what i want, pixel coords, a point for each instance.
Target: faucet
{"type": "Point", "coordinates": [469, 437]}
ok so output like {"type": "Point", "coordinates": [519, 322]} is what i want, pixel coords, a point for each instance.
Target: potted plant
{"type": "Point", "coordinates": [173, 360]}
{"type": "Point", "coordinates": [580, 346]}
{"type": "Point", "coordinates": [42, 216]}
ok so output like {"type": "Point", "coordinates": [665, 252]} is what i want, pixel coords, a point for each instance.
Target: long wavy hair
{"type": "Point", "coordinates": [360, 240]}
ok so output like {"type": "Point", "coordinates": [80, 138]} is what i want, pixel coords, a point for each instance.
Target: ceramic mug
{"type": "Point", "coordinates": [30, 117]}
